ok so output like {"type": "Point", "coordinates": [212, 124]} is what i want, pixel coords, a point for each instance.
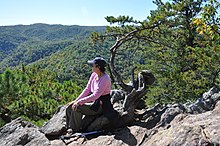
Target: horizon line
{"type": "Point", "coordinates": [52, 24]}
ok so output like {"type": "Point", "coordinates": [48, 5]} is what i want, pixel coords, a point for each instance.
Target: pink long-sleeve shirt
{"type": "Point", "coordinates": [96, 86]}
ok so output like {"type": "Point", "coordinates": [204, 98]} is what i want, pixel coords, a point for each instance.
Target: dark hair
{"type": "Point", "coordinates": [102, 68]}
{"type": "Point", "coordinates": [99, 62]}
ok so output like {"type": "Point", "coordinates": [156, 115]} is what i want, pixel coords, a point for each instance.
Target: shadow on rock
{"type": "Point", "coordinates": [126, 136]}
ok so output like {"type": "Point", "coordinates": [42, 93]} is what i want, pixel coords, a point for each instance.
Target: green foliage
{"type": "Point", "coordinates": [174, 42]}
{"type": "Point", "coordinates": [121, 20]}
{"type": "Point", "coordinates": [189, 68]}
{"type": "Point", "coordinates": [34, 93]}
{"type": "Point", "coordinates": [2, 123]}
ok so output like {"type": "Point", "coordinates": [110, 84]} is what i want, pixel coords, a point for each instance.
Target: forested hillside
{"type": "Point", "coordinates": [22, 44]}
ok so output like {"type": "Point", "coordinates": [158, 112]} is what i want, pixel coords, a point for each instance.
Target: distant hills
{"type": "Point", "coordinates": [55, 47]}
{"type": "Point", "coordinates": [58, 48]}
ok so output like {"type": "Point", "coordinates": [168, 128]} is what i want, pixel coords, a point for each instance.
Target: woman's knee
{"type": "Point", "coordinates": [79, 108]}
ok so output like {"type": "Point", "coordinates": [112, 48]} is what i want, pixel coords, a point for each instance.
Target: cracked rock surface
{"type": "Point", "coordinates": [19, 132]}
{"type": "Point", "coordinates": [190, 130]}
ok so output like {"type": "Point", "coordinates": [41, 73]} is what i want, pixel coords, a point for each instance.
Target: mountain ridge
{"type": "Point", "coordinates": [25, 44]}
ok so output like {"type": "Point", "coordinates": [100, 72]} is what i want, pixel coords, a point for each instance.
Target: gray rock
{"type": "Point", "coordinates": [199, 106]}
{"type": "Point", "coordinates": [205, 103]}
{"type": "Point", "coordinates": [19, 132]}
{"type": "Point", "coordinates": [128, 136]}
{"type": "Point", "coordinates": [170, 113]}
{"type": "Point", "coordinates": [215, 97]}
{"type": "Point", "coordinates": [56, 125]}
{"type": "Point", "coordinates": [117, 95]}
{"type": "Point", "coordinates": [208, 94]}
{"type": "Point", "coordinates": [190, 130]}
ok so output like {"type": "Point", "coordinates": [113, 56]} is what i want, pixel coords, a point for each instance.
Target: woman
{"type": "Point", "coordinates": [95, 98]}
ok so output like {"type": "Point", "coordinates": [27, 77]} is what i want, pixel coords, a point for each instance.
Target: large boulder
{"type": "Point", "coordinates": [170, 113]}
{"type": "Point", "coordinates": [19, 132]}
{"type": "Point", "coordinates": [56, 125]}
{"type": "Point", "coordinates": [190, 130]}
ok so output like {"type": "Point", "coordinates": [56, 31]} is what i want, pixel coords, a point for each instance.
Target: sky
{"type": "Point", "coordinates": [71, 12]}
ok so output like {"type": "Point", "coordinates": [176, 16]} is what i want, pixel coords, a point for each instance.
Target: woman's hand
{"type": "Point", "coordinates": [75, 105]}
{"type": "Point", "coordinates": [71, 102]}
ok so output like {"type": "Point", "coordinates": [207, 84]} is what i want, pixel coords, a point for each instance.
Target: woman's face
{"type": "Point", "coordinates": [95, 68]}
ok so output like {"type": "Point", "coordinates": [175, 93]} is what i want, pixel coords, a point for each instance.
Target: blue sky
{"type": "Point", "coordinates": [70, 12]}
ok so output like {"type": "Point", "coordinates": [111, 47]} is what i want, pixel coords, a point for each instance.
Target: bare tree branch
{"type": "Point", "coordinates": [113, 51]}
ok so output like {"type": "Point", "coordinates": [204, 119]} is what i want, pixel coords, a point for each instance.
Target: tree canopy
{"type": "Point", "coordinates": [179, 42]}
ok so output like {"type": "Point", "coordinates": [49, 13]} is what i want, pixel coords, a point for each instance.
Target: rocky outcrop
{"type": "Point", "coordinates": [174, 124]}
{"type": "Point", "coordinates": [162, 115]}
{"type": "Point", "coordinates": [190, 130]}
{"type": "Point", "coordinates": [19, 132]}
{"type": "Point", "coordinates": [205, 103]}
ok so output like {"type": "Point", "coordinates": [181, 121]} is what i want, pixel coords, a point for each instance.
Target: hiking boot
{"type": "Point", "coordinates": [69, 131]}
